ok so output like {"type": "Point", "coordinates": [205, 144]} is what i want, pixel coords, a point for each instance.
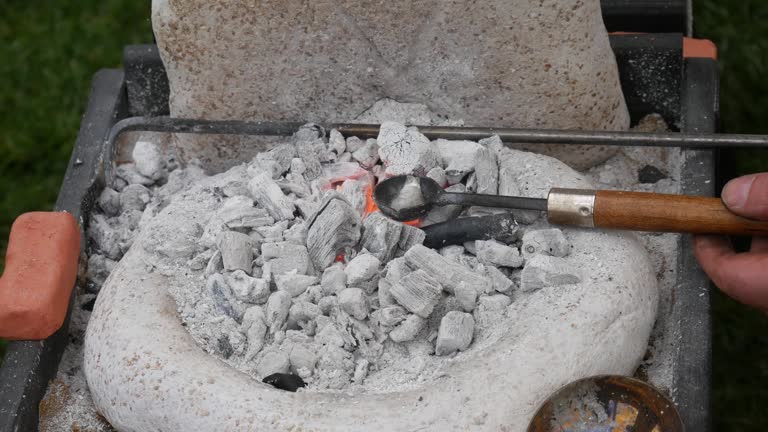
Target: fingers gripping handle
{"type": "Point", "coordinates": [40, 272]}
{"type": "Point", "coordinates": [640, 211]}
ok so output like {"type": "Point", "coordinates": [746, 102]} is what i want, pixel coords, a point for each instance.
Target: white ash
{"type": "Point", "coordinates": [328, 366]}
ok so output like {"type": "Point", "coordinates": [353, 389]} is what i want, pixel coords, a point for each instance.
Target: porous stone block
{"type": "Point", "coordinates": [549, 241]}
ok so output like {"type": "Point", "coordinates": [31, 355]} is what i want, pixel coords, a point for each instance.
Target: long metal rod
{"type": "Point", "coordinates": [507, 135]}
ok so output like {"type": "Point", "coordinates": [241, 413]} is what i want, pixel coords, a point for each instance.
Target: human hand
{"type": "Point", "coordinates": [743, 276]}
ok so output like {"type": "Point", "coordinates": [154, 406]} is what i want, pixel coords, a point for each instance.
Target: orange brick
{"type": "Point", "coordinates": [40, 272]}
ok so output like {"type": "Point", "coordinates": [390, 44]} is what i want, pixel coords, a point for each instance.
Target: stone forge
{"type": "Point", "coordinates": [517, 63]}
{"type": "Point", "coordinates": [273, 267]}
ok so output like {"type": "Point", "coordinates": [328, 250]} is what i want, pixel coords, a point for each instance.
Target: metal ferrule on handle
{"type": "Point", "coordinates": [572, 207]}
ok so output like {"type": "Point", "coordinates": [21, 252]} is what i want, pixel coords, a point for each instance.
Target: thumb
{"type": "Point", "coordinates": [748, 196]}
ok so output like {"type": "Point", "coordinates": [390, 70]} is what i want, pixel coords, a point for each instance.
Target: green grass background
{"type": "Point", "coordinates": [50, 49]}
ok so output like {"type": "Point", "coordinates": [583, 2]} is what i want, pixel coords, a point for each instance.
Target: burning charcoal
{"type": "Point", "coordinates": [135, 197]}
{"type": "Point", "coordinates": [278, 305]}
{"type": "Point", "coordinates": [287, 382]}
{"type": "Point", "coordinates": [302, 360]}
{"type": "Point", "coordinates": [128, 173]}
{"type": "Point", "coordinates": [246, 288]}
{"type": "Point", "coordinates": [362, 269]}
{"type": "Point", "coordinates": [392, 315]}
{"type": "Point", "coordinates": [297, 234]}
{"type": "Point", "coordinates": [354, 144]}
{"type": "Point", "coordinates": [384, 293]}
{"type": "Point", "coordinates": [267, 194]}
{"type": "Point", "coordinates": [298, 166]}
{"type": "Point", "coordinates": [255, 327]}
{"type": "Point", "coordinates": [546, 271]}
{"type": "Point", "coordinates": [455, 334]}
{"type": "Point", "coordinates": [105, 238]}
{"type": "Point", "coordinates": [302, 312]}
{"type": "Point", "coordinates": [307, 207]}
{"type": "Point", "coordinates": [328, 304]}
{"type": "Point", "coordinates": [418, 292]}
{"type": "Point", "coordinates": [355, 191]}
{"type": "Point", "coordinates": [336, 142]}
{"type": "Point", "coordinates": [409, 237]}
{"type": "Point", "coordinates": [346, 157]}
{"type": "Point", "coordinates": [273, 362]}
{"type": "Point", "coordinates": [446, 272]}
{"type": "Point", "coordinates": [405, 150]}
{"type": "Point", "coordinates": [354, 302]}
{"type": "Point", "coordinates": [294, 284]}
{"type": "Point", "coordinates": [295, 184]}
{"type": "Point", "coordinates": [498, 254]}
{"type": "Point", "coordinates": [273, 233]}
{"type": "Point", "coordinates": [367, 155]}
{"type": "Point", "coordinates": [335, 227]}
{"type": "Point", "coordinates": [438, 175]}
{"type": "Point", "coordinates": [550, 241]}
{"type": "Point", "coordinates": [466, 296]}
{"type": "Point", "coordinates": [306, 151]}
{"type": "Point", "coordinates": [215, 264]}
{"type": "Point", "coordinates": [445, 213]}
{"type": "Point", "coordinates": [501, 282]}
{"type": "Point", "coordinates": [341, 171]}
{"type": "Point", "coordinates": [281, 156]}
{"type": "Point", "coordinates": [361, 371]}
{"type": "Point", "coordinates": [239, 212]}
{"type": "Point", "coordinates": [148, 160]}
{"type": "Point", "coordinates": [109, 202]}
{"type": "Point", "coordinates": [334, 279]}
{"type": "Point", "coordinates": [222, 296]}
{"type": "Point", "coordinates": [236, 251]}
{"type": "Point", "coordinates": [408, 329]}
{"type": "Point", "coordinates": [381, 236]}
{"type": "Point", "coordinates": [396, 269]}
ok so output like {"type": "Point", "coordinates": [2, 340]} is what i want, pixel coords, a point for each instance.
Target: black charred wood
{"type": "Point", "coordinates": [501, 227]}
{"type": "Point", "coordinates": [282, 381]}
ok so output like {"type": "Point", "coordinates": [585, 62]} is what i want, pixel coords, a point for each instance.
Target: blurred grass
{"type": "Point", "coordinates": [740, 334]}
{"type": "Point", "coordinates": [50, 49]}
{"type": "Point", "coordinates": [48, 52]}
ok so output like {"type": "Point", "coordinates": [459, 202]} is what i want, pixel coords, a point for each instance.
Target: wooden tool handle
{"type": "Point", "coordinates": [639, 211]}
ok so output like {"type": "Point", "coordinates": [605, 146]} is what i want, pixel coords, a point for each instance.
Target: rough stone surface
{"type": "Point", "coordinates": [354, 302]}
{"type": "Point", "coordinates": [547, 271]}
{"type": "Point", "coordinates": [408, 329]}
{"type": "Point", "coordinates": [549, 241]}
{"type": "Point", "coordinates": [498, 254]}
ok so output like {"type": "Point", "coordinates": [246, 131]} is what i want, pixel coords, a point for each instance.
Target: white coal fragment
{"type": "Point", "coordinates": [453, 252]}
{"type": "Point", "coordinates": [314, 293]}
{"type": "Point", "coordinates": [408, 329]}
{"type": "Point", "coordinates": [128, 173]}
{"type": "Point", "coordinates": [296, 234]}
{"type": "Point", "coordinates": [130, 219]}
{"type": "Point", "coordinates": [328, 304]}
{"type": "Point", "coordinates": [238, 212]}
{"type": "Point", "coordinates": [215, 264]}
{"type": "Point", "coordinates": [391, 315]}
{"type": "Point", "coordinates": [236, 251]}
{"type": "Point", "coordinates": [367, 155]}
{"type": "Point", "coordinates": [335, 366]}
{"type": "Point", "coordinates": [335, 227]}
{"type": "Point", "coordinates": [223, 299]}
{"type": "Point", "coordinates": [362, 269]}
{"type": "Point", "coordinates": [446, 272]}
{"type": "Point", "coordinates": [462, 158]}
{"type": "Point", "coordinates": [354, 144]}
{"type": "Point", "coordinates": [334, 279]}
{"type": "Point", "coordinates": [501, 282]}
{"type": "Point", "coordinates": [135, 197]}
{"type": "Point", "coordinates": [438, 175]}
{"type": "Point", "coordinates": [272, 233]}
{"type": "Point", "coordinates": [330, 334]}
{"type": "Point", "coordinates": [246, 288]}
{"type": "Point", "coordinates": [355, 192]}
{"type": "Point", "coordinates": [295, 184]}
{"type": "Point", "coordinates": [405, 150]}
{"type": "Point", "coordinates": [381, 236]}
{"type": "Point", "coordinates": [547, 271]}
{"type": "Point", "coordinates": [99, 268]}
{"type": "Point", "coordinates": [306, 206]}
{"type": "Point", "coordinates": [498, 254]}
{"type": "Point", "coordinates": [284, 257]}
{"type": "Point", "coordinates": [496, 302]}
{"type": "Point", "coordinates": [486, 172]}
{"type": "Point", "coordinates": [105, 238]}
{"type": "Point", "coordinates": [455, 334]}
{"type": "Point", "coordinates": [298, 166]}
{"type": "Point", "coordinates": [466, 296]}
{"type": "Point", "coordinates": [384, 293]}
{"type": "Point", "coordinates": [346, 157]}
{"type": "Point", "coordinates": [303, 360]}
{"type": "Point", "coordinates": [278, 305]}
{"type": "Point", "coordinates": [149, 162]}
{"type": "Point", "coordinates": [275, 161]}
{"type": "Point", "coordinates": [267, 194]}
{"type": "Point", "coordinates": [336, 142]}
{"type": "Point", "coordinates": [306, 151]}
{"type": "Point", "coordinates": [340, 171]}
{"type": "Point", "coordinates": [418, 292]}
{"type": "Point", "coordinates": [294, 284]}
{"type": "Point", "coordinates": [273, 362]}
{"type": "Point", "coordinates": [549, 241]}
{"type": "Point", "coordinates": [302, 312]}
{"type": "Point", "coordinates": [361, 371]}
{"type": "Point", "coordinates": [409, 237]}
{"type": "Point", "coordinates": [354, 302]}
{"type": "Point", "coordinates": [109, 202]}
{"type": "Point", "coordinates": [255, 327]}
